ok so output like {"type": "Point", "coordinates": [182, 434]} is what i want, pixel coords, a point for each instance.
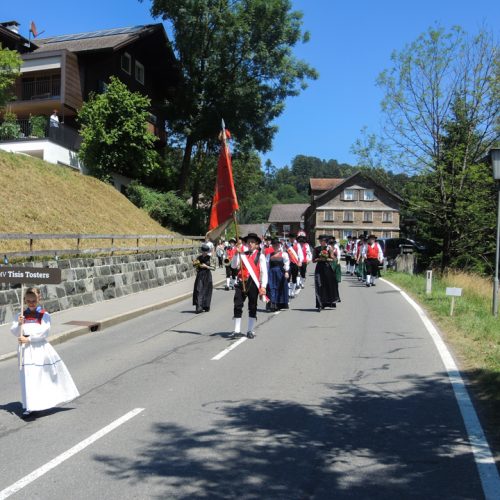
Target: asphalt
{"type": "Point", "coordinates": [83, 320]}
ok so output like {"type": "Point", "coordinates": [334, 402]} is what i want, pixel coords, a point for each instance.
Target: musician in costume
{"type": "Point", "coordinates": [349, 255]}
{"type": "Point", "coordinates": [230, 272]}
{"type": "Point", "coordinates": [295, 254]}
{"type": "Point", "coordinates": [252, 282]}
{"type": "Point", "coordinates": [202, 291]}
{"type": "Point", "coordinates": [374, 257]}
{"type": "Point", "coordinates": [45, 380]}
{"type": "Point", "coordinates": [306, 256]}
{"type": "Point", "coordinates": [325, 275]}
{"type": "Point", "coordinates": [360, 269]}
{"type": "Point", "coordinates": [278, 272]}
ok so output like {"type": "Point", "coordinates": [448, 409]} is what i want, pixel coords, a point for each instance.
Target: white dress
{"type": "Point", "coordinates": [45, 380]}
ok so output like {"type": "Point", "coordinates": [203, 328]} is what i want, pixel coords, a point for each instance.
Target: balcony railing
{"type": "Point", "coordinates": [41, 89]}
{"type": "Point", "coordinates": [63, 135]}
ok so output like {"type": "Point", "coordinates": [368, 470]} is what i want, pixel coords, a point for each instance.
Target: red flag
{"type": "Point", "coordinates": [224, 202]}
{"type": "Point", "coordinates": [33, 29]}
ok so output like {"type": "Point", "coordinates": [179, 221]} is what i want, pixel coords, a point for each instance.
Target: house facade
{"type": "Point", "coordinates": [351, 207]}
{"type": "Point", "coordinates": [60, 73]}
{"type": "Point", "coordinates": [287, 218]}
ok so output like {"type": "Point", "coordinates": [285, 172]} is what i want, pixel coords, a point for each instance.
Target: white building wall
{"type": "Point", "coordinates": [46, 150]}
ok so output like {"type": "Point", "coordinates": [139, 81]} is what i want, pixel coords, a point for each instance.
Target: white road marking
{"type": "Point", "coordinates": [229, 349]}
{"type": "Point", "coordinates": [483, 457]}
{"type": "Point", "coordinates": [10, 490]}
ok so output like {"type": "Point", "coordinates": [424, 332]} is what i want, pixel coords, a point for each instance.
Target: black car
{"type": "Point", "coordinates": [392, 246]}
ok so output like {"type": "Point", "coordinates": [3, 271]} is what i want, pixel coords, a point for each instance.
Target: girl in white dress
{"type": "Point", "coordinates": [45, 380]}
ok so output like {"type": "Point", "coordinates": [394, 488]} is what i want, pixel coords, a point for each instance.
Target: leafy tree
{"type": "Point", "coordinates": [10, 64]}
{"type": "Point", "coordinates": [237, 64]}
{"type": "Point", "coordinates": [115, 137]}
{"type": "Point", "coordinates": [10, 128]}
{"type": "Point", "coordinates": [442, 106]}
{"type": "Point", "coordinates": [166, 208]}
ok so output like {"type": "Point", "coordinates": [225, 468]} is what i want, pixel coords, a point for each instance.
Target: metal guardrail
{"type": "Point", "coordinates": [187, 242]}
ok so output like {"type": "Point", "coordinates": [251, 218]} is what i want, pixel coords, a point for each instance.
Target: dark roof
{"type": "Point", "coordinates": [290, 212]}
{"type": "Point", "coordinates": [111, 39]}
{"type": "Point", "coordinates": [324, 184]}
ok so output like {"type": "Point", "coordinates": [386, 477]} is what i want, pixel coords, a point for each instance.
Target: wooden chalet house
{"type": "Point", "coordinates": [60, 72]}
{"type": "Point", "coordinates": [353, 206]}
{"type": "Point", "coordinates": [287, 218]}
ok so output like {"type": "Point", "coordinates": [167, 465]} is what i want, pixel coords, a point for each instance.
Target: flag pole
{"type": "Point", "coordinates": [234, 213]}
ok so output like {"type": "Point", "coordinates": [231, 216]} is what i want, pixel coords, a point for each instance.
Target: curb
{"type": "Point", "coordinates": [100, 325]}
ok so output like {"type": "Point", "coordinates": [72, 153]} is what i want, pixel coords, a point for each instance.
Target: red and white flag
{"type": "Point", "coordinates": [224, 202]}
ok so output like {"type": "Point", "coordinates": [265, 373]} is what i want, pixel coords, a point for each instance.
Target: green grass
{"type": "Point", "coordinates": [39, 197]}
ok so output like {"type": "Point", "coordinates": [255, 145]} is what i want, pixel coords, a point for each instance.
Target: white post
{"type": "Point", "coordinates": [452, 305]}
{"type": "Point", "coordinates": [21, 346]}
{"type": "Point", "coordinates": [428, 283]}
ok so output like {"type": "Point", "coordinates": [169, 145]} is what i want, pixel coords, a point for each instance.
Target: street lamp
{"type": "Point", "coordinates": [494, 156]}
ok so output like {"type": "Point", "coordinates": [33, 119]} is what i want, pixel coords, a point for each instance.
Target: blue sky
{"type": "Point", "coordinates": [351, 43]}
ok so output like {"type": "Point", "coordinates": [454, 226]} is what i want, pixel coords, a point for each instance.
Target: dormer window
{"type": "Point", "coordinates": [126, 63]}
{"type": "Point", "coordinates": [349, 195]}
{"type": "Point", "coordinates": [368, 195]}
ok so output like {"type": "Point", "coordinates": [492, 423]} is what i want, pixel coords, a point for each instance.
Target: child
{"type": "Point", "coordinates": [45, 380]}
{"type": "Point", "coordinates": [202, 292]}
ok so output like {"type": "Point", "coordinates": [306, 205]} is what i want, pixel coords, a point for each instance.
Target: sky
{"type": "Point", "coordinates": [351, 43]}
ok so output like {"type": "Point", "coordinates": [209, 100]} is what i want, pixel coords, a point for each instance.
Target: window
{"type": "Point", "coordinates": [346, 233]}
{"type": "Point", "coordinates": [386, 216]}
{"type": "Point", "coordinates": [367, 216]}
{"type": "Point", "coordinates": [368, 195]}
{"type": "Point", "coordinates": [126, 63]}
{"type": "Point", "coordinates": [139, 72]}
{"type": "Point", "coordinates": [386, 234]}
{"type": "Point", "coordinates": [348, 216]}
{"type": "Point", "coordinates": [349, 194]}
{"type": "Point", "coordinates": [329, 215]}
{"type": "Point", "coordinates": [286, 228]}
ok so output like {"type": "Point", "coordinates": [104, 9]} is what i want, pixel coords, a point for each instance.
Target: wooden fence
{"type": "Point", "coordinates": [117, 244]}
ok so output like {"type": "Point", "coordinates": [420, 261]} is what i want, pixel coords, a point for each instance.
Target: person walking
{"type": "Point", "coordinates": [278, 269]}
{"type": "Point", "coordinates": [374, 256]}
{"type": "Point", "coordinates": [202, 291]}
{"type": "Point", "coordinates": [252, 282]}
{"type": "Point", "coordinates": [219, 251]}
{"type": "Point", "coordinates": [325, 280]}
{"type": "Point", "coordinates": [306, 256]}
{"type": "Point", "coordinates": [45, 380]}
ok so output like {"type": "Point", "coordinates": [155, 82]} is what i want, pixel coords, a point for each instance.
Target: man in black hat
{"type": "Point", "coordinates": [252, 282]}
{"type": "Point", "coordinates": [374, 256]}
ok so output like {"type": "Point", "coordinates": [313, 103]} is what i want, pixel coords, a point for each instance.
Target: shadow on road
{"type": "Point", "coordinates": [371, 442]}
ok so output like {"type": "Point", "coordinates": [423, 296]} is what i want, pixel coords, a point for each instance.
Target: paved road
{"type": "Point", "coordinates": [346, 403]}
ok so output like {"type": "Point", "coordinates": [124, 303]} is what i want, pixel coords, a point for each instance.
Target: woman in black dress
{"type": "Point", "coordinates": [325, 281]}
{"type": "Point", "coordinates": [202, 292]}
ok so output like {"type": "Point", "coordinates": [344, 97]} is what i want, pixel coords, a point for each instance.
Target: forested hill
{"type": "Point", "coordinates": [291, 184]}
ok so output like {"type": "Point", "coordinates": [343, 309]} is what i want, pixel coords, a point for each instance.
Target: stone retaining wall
{"type": "Point", "coordinates": [89, 280]}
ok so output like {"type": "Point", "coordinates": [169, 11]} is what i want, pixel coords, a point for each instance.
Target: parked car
{"type": "Point", "coordinates": [392, 246]}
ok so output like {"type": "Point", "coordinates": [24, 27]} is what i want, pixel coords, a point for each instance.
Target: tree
{"type": "Point", "coordinates": [115, 137]}
{"type": "Point", "coordinates": [236, 61]}
{"type": "Point", "coordinates": [10, 64]}
{"type": "Point", "coordinates": [442, 107]}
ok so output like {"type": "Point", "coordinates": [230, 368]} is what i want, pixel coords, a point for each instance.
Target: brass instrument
{"type": "Point", "coordinates": [227, 262]}
{"type": "Point", "coordinates": [197, 264]}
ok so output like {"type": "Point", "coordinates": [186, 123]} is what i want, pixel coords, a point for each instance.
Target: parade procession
{"type": "Point", "coordinates": [300, 305]}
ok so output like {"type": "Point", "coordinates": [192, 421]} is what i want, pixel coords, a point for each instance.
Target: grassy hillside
{"type": "Point", "coordinates": [38, 197]}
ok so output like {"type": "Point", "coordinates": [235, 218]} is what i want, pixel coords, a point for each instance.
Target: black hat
{"type": "Point", "coordinates": [205, 248]}
{"type": "Point", "coordinates": [301, 239]}
{"type": "Point", "coordinates": [252, 236]}
{"type": "Point", "coordinates": [323, 237]}
{"type": "Point", "coordinates": [275, 241]}
{"type": "Point", "coordinates": [232, 240]}
{"type": "Point", "coordinates": [372, 236]}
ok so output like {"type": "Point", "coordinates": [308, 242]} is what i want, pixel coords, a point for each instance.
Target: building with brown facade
{"type": "Point", "coordinates": [351, 207]}
{"type": "Point", "coordinates": [287, 218]}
